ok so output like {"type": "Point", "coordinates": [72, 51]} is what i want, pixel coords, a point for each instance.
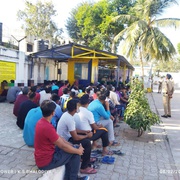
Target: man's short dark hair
{"type": "Point", "coordinates": [72, 105]}
{"type": "Point", "coordinates": [33, 88]}
{"type": "Point", "coordinates": [66, 82]}
{"type": "Point", "coordinates": [31, 95]}
{"type": "Point", "coordinates": [65, 90]}
{"type": "Point", "coordinates": [25, 90]}
{"type": "Point", "coordinates": [47, 107]}
{"type": "Point", "coordinates": [102, 97]}
{"type": "Point", "coordinates": [48, 89]}
{"type": "Point", "coordinates": [84, 99]}
{"type": "Point", "coordinates": [168, 76]}
{"type": "Point", "coordinates": [72, 94]}
{"type": "Point", "coordinates": [107, 93]}
{"type": "Point", "coordinates": [55, 97]}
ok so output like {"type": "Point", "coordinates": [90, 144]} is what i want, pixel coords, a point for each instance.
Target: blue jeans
{"type": "Point", "coordinates": [71, 162]}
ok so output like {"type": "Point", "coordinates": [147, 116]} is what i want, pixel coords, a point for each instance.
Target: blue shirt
{"type": "Point", "coordinates": [33, 116]}
{"type": "Point", "coordinates": [98, 110]}
{"type": "Point", "coordinates": [58, 113]}
{"type": "Point", "coordinates": [54, 87]}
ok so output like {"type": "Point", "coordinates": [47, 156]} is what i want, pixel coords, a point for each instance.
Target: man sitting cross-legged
{"type": "Point", "coordinates": [85, 121]}
{"type": "Point", "coordinates": [51, 150]}
{"type": "Point", "coordinates": [67, 129]}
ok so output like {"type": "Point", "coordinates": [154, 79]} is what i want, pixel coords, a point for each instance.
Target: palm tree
{"type": "Point", "coordinates": [142, 33]}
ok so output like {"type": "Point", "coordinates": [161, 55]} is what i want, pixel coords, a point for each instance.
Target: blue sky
{"type": "Point", "coordinates": [9, 10]}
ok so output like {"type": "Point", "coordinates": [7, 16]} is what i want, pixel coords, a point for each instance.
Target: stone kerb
{"type": "Point", "coordinates": [54, 174]}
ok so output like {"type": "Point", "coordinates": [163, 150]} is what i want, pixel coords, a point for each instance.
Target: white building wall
{"type": "Point", "coordinates": [18, 57]}
{"type": "Point", "coordinates": [41, 74]}
{"type": "Point", "coordinates": [64, 71]}
{"type": "Point", "coordinates": [52, 70]}
{"type": "Point", "coordinates": [35, 73]}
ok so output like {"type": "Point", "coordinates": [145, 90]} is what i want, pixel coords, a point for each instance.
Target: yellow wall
{"type": "Point", "coordinates": [94, 72]}
{"type": "Point", "coordinates": [7, 71]}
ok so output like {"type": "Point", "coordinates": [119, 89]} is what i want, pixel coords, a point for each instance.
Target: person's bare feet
{"type": "Point", "coordinates": [95, 145]}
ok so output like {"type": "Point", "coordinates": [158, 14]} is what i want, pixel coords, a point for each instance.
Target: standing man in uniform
{"type": "Point", "coordinates": [167, 90]}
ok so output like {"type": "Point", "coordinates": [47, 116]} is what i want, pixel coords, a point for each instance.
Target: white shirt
{"type": "Point", "coordinates": [114, 98]}
{"type": "Point", "coordinates": [44, 96]}
{"type": "Point", "coordinates": [85, 119]}
{"type": "Point", "coordinates": [65, 125]}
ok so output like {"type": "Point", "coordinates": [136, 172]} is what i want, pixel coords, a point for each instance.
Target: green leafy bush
{"type": "Point", "coordinates": [138, 114]}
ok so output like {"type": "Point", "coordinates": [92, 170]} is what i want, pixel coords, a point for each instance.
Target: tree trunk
{"type": "Point", "coordinates": [140, 132]}
{"type": "Point", "coordinates": [113, 47]}
{"type": "Point", "coordinates": [142, 65]}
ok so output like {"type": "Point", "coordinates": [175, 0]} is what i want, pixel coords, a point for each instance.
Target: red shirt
{"type": "Point", "coordinates": [60, 91]}
{"type": "Point", "coordinates": [37, 98]}
{"type": "Point", "coordinates": [20, 99]}
{"type": "Point", "coordinates": [45, 136]}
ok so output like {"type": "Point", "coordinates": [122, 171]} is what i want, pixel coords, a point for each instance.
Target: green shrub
{"type": "Point", "coordinates": [138, 114]}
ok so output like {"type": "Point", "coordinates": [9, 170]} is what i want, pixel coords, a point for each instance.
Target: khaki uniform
{"type": "Point", "coordinates": [167, 90]}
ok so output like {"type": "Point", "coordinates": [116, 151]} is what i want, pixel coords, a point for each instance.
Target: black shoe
{"type": "Point", "coordinates": [168, 115]}
{"type": "Point", "coordinates": [164, 116]}
{"type": "Point", "coordinates": [83, 178]}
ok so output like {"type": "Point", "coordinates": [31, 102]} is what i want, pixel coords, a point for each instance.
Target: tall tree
{"type": "Point", "coordinates": [142, 35]}
{"type": "Point", "coordinates": [38, 20]}
{"type": "Point", "coordinates": [91, 23]}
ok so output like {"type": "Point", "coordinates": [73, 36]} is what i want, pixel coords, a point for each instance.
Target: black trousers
{"type": "Point", "coordinates": [103, 134]}
{"type": "Point", "coordinates": [86, 144]}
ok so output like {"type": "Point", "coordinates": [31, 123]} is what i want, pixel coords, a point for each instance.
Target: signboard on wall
{"type": "Point", "coordinates": [7, 71]}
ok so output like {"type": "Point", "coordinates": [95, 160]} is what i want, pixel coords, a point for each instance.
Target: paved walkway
{"type": "Point", "coordinates": [153, 156]}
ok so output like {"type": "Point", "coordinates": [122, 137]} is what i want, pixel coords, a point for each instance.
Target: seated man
{"type": "Point", "coordinates": [102, 116]}
{"type": "Point", "coordinates": [67, 129]}
{"type": "Point", "coordinates": [85, 121]}
{"type": "Point", "coordinates": [25, 107]}
{"type": "Point", "coordinates": [19, 100]}
{"type": "Point", "coordinates": [58, 112]}
{"type": "Point", "coordinates": [33, 116]}
{"type": "Point", "coordinates": [12, 94]}
{"type": "Point", "coordinates": [64, 98]}
{"type": "Point", "coordinates": [51, 150]}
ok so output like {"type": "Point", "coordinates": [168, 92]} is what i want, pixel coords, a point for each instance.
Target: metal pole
{"type": "Point", "coordinates": [118, 69]}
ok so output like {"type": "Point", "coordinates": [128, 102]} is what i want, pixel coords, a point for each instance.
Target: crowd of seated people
{"type": "Point", "coordinates": [80, 115]}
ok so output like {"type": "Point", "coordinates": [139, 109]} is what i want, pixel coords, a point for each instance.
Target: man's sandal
{"type": "Point", "coordinates": [88, 170]}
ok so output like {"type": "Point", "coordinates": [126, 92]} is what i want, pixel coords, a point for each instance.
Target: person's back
{"type": "Point", "coordinates": [67, 129]}
{"type": "Point", "coordinates": [60, 91]}
{"type": "Point", "coordinates": [98, 110]}
{"type": "Point", "coordinates": [64, 98]}
{"type": "Point", "coordinates": [37, 97]}
{"type": "Point", "coordinates": [20, 99]}
{"type": "Point", "coordinates": [52, 151]}
{"type": "Point", "coordinates": [44, 148]}
{"type": "Point", "coordinates": [24, 109]}
{"type": "Point", "coordinates": [12, 94]}
{"type": "Point", "coordinates": [33, 116]}
{"type": "Point", "coordinates": [103, 116]}
{"type": "Point", "coordinates": [45, 94]}
{"type": "Point", "coordinates": [58, 111]}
